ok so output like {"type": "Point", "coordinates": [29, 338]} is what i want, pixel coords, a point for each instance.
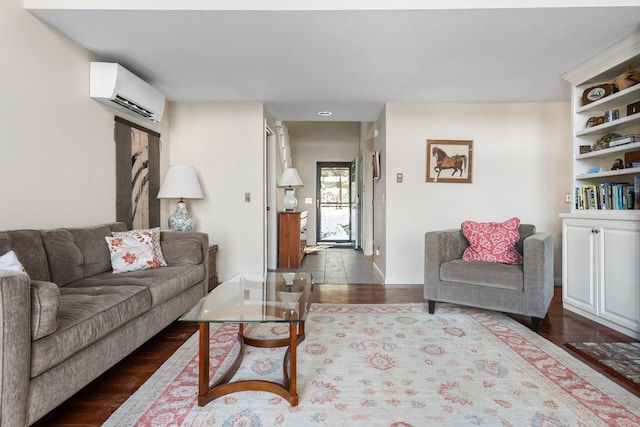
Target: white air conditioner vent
{"type": "Point", "coordinates": [133, 107]}
{"type": "Point", "coordinates": [117, 87]}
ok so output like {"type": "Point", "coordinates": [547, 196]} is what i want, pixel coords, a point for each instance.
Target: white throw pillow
{"type": "Point", "coordinates": [9, 261]}
{"type": "Point", "coordinates": [154, 233]}
{"type": "Point", "coordinates": [129, 253]}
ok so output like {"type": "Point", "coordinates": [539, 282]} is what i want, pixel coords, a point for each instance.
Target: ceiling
{"type": "Point", "coordinates": [349, 62]}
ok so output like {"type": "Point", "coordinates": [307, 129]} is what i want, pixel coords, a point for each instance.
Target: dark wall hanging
{"type": "Point", "coordinates": [137, 175]}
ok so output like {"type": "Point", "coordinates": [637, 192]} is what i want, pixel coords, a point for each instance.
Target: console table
{"type": "Point", "coordinates": [213, 270]}
{"type": "Point", "coordinates": [293, 239]}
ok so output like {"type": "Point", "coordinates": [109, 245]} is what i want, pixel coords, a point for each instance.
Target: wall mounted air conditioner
{"type": "Point", "coordinates": [119, 88]}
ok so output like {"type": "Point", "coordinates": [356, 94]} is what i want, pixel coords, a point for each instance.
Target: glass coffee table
{"type": "Point", "coordinates": [253, 298]}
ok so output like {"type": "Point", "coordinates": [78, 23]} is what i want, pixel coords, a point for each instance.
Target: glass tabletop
{"type": "Point", "coordinates": [256, 298]}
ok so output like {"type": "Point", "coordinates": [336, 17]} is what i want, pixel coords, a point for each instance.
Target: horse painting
{"type": "Point", "coordinates": [456, 162]}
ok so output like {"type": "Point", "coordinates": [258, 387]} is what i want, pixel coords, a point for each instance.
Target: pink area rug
{"type": "Point", "coordinates": [392, 365]}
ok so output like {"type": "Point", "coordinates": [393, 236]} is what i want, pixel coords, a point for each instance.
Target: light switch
{"type": "Point", "coordinates": [308, 200]}
{"type": "Point", "coordinates": [399, 177]}
{"type": "Point", "coordinates": [247, 197]}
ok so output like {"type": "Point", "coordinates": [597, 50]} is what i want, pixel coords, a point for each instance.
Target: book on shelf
{"type": "Point", "coordinates": [624, 139]}
{"type": "Point", "coordinates": [629, 197]}
{"type": "Point", "coordinates": [608, 196]}
{"type": "Point", "coordinates": [632, 156]}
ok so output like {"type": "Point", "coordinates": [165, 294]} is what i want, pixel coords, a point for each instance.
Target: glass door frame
{"type": "Point", "coordinates": [347, 165]}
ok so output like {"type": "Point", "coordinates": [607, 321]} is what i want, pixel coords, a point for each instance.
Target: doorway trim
{"type": "Point", "coordinates": [320, 204]}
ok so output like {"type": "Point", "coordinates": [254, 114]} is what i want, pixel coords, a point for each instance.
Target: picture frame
{"type": "Point", "coordinates": [449, 161]}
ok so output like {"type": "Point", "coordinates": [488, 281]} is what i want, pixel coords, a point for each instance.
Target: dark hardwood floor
{"type": "Point", "coordinates": [95, 403]}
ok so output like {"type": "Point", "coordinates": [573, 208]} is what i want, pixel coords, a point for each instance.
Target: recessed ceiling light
{"type": "Point", "coordinates": [324, 113]}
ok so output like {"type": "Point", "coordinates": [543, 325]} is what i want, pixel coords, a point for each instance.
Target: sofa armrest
{"type": "Point", "coordinates": [440, 247]}
{"type": "Point", "coordinates": [167, 236]}
{"type": "Point", "coordinates": [15, 347]}
{"type": "Point", "coordinates": [45, 301]}
{"type": "Point", "coordinates": [538, 271]}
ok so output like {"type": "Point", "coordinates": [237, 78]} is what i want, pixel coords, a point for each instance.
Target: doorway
{"type": "Point", "coordinates": [334, 207]}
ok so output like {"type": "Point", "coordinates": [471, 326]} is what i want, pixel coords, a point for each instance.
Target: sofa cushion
{"type": "Point", "coordinates": [28, 247]}
{"type": "Point", "coordinates": [153, 233]}
{"type": "Point", "coordinates": [505, 276]}
{"type": "Point", "coordinates": [161, 283]}
{"type": "Point", "coordinates": [131, 253]}
{"type": "Point", "coordinates": [183, 251]}
{"type": "Point", "coordinates": [89, 241]}
{"type": "Point", "coordinates": [492, 241]}
{"type": "Point", "coordinates": [75, 253]}
{"type": "Point", "coordinates": [87, 314]}
{"type": "Point", "coordinates": [45, 301]}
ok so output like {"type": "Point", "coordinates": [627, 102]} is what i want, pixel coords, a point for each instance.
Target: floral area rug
{"type": "Point", "coordinates": [392, 365]}
{"type": "Point", "coordinates": [621, 358]}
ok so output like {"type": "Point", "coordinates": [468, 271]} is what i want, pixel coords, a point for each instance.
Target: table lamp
{"type": "Point", "coordinates": [180, 182]}
{"type": "Point", "coordinates": [288, 180]}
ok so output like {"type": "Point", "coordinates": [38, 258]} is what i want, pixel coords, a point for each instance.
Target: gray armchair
{"type": "Point", "coordinates": [524, 289]}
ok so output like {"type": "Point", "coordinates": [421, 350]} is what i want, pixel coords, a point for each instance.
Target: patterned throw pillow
{"type": "Point", "coordinates": [9, 261]}
{"type": "Point", "coordinates": [155, 235]}
{"type": "Point", "coordinates": [129, 253]}
{"type": "Point", "coordinates": [492, 241]}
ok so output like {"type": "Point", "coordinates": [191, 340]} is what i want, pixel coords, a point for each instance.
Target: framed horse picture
{"type": "Point", "coordinates": [449, 161]}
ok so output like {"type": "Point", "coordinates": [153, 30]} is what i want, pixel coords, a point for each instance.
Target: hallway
{"type": "Point", "coordinates": [340, 266]}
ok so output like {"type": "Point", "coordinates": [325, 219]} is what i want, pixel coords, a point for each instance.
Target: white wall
{"type": "Point", "coordinates": [313, 142]}
{"type": "Point", "coordinates": [57, 155]}
{"type": "Point", "coordinates": [57, 158]}
{"type": "Point", "coordinates": [521, 167]}
{"type": "Point", "coordinates": [224, 143]}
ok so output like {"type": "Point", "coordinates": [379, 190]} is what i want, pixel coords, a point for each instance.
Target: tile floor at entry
{"type": "Point", "coordinates": [341, 265]}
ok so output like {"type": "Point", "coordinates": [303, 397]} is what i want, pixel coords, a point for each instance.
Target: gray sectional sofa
{"type": "Point", "coordinates": [69, 319]}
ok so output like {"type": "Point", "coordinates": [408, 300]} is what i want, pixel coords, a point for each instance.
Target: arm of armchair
{"type": "Point", "coordinates": [15, 347]}
{"type": "Point", "coordinates": [440, 247]}
{"type": "Point", "coordinates": [538, 272]}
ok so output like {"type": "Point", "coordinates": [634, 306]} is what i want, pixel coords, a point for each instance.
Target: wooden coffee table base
{"type": "Point", "coordinates": [223, 386]}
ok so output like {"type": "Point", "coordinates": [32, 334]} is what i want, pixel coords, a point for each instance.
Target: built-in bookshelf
{"type": "Point", "coordinates": [598, 171]}
{"type": "Point", "coordinates": [600, 236]}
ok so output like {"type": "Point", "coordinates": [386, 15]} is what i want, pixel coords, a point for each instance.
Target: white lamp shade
{"type": "Point", "coordinates": [290, 178]}
{"type": "Point", "coordinates": [180, 182]}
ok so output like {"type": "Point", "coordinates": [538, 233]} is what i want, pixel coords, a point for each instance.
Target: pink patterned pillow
{"type": "Point", "coordinates": [492, 241]}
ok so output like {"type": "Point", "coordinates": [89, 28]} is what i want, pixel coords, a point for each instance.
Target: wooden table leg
{"type": "Point", "coordinates": [223, 386]}
{"type": "Point", "coordinates": [293, 363]}
{"type": "Point", "coordinates": [203, 364]}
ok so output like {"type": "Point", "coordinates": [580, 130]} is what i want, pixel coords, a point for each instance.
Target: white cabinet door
{"type": "Point", "coordinates": [619, 275]}
{"type": "Point", "coordinates": [579, 281]}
